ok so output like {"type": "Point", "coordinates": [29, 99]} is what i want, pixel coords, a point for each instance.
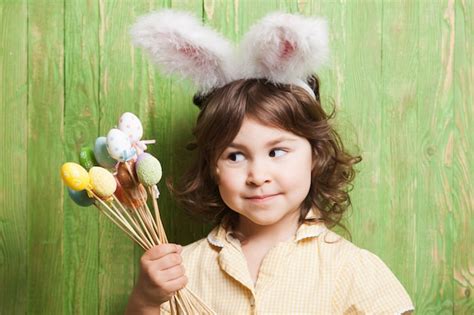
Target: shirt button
{"type": "Point", "coordinates": [252, 301]}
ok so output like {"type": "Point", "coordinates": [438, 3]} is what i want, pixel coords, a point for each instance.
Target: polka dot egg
{"type": "Point", "coordinates": [131, 126]}
{"type": "Point", "coordinates": [119, 146]}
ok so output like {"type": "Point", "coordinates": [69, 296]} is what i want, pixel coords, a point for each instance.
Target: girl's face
{"type": "Point", "coordinates": [265, 174]}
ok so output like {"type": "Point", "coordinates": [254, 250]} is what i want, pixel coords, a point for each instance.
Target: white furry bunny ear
{"type": "Point", "coordinates": [285, 48]}
{"type": "Point", "coordinates": [180, 44]}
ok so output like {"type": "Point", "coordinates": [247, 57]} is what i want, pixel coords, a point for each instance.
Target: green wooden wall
{"type": "Point", "coordinates": [402, 77]}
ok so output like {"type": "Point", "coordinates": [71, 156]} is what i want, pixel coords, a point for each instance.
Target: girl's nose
{"type": "Point", "coordinates": [258, 173]}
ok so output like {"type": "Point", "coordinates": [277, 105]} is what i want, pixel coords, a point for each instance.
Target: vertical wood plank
{"type": "Point", "coordinates": [156, 106]}
{"type": "Point", "coordinates": [13, 136]}
{"type": "Point", "coordinates": [116, 251]}
{"type": "Point", "coordinates": [434, 138]}
{"type": "Point", "coordinates": [394, 216]}
{"type": "Point", "coordinates": [352, 84]}
{"type": "Point", "coordinates": [150, 92]}
{"type": "Point", "coordinates": [233, 18]}
{"type": "Point", "coordinates": [123, 87]}
{"type": "Point", "coordinates": [463, 160]}
{"type": "Point", "coordinates": [177, 119]}
{"type": "Point", "coordinates": [81, 123]}
{"type": "Point", "coordinates": [45, 155]}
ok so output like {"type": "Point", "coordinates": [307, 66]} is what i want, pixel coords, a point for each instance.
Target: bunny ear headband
{"type": "Point", "coordinates": [282, 48]}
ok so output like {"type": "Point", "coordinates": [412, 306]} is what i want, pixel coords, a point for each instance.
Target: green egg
{"type": "Point", "coordinates": [87, 158]}
{"type": "Point", "coordinates": [148, 169]}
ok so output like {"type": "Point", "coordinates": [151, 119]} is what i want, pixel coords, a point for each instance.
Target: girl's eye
{"type": "Point", "coordinates": [234, 156]}
{"type": "Point", "coordinates": [277, 152]}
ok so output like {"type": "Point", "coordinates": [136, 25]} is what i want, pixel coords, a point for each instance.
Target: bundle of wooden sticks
{"type": "Point", "coordinates": [120, 187]}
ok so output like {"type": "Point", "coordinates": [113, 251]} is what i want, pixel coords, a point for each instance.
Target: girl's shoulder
{"type": "Point", "coordinates": [363, 281]}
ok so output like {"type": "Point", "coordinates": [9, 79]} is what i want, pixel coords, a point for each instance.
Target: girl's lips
{"type": "Point", "coordinates": [259, 199]}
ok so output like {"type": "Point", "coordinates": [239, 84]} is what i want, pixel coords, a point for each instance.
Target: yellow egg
{"type": "Point", "coordinates": [102, 182]}
{"type": "Point", "coordinates": [75, 176]}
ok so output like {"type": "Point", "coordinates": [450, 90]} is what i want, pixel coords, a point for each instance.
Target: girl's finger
{"type": "Point", "coordinates": [176, 284]}
{"type": "Point", "coordinates": [172, 273]}
{"type": "Point", "coordinates": [169, 261]}
{"type": "Point", "coordinates": [159, 251]}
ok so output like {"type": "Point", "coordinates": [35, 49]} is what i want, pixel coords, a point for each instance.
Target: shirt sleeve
{"type": "Point", "coordinates": [366, 285]}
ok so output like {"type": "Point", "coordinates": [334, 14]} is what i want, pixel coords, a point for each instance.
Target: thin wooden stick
{"type": "Point", "coordinates": [139, 230]}
{"type": "Point", "coordinates": [157, 213]}
{"type": "Point", "coordinates": [131, 219]}
{"type": "Point", "coordinates": [189, 291]}
{"type": "Point", "coordinates": [144, 228]}
{"type": "Point", "coordinates": [156, 222]}
{"type": "Point", "coordinates": [116, 215]}
{"type": "Point", "coordinates": [148, 212]}
{"type": "Point", "coordinates": [180, 306]}
{"type": "Point", "coordinates": [173, 305]}
{"type": "Point", "coordinates": [146, 219]}
{"type": "Point", "coordinates": [189, 305]}
{"type": "Point", "coordinates": [154, 228]}
{"type": "Point", "coordinates": [142, 219]}
{"type": "Point", "coordinates": [161, 229]}
{"type": "Point", "coordinates": [119, 224]}
{"type": "Point", "coordinates": [130, 172]}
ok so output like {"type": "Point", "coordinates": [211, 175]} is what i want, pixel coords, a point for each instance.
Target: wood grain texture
{"type": "Point", "coordinates": [116, 95]}
{"type": "Point", "coordinates": [463, 159]}
{"type": "Point", "coordinates": [434, 139]}
{"type": "Point", "coordinates": [179, 121]}
{"type": "Point", "coordinates": [13, 136]}
{"type": "Point", "coordinates": [81, 126]}
{"type": "Point", "coordinates": [150, 91]}
{"type": "Point", "coordinates": [45, 287]}
{"type": "Point", "coordinates": [401, 78]}
{"type": "Point", "coordinates": [394, 216]}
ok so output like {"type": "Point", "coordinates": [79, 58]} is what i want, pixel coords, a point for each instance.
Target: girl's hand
{"type": "Point", "coordinates": [161, 275]}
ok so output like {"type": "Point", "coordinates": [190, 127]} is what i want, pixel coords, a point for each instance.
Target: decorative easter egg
{"type": "Point", "coordinates": [148, 169]}
{"type": "Point", "coordinates": [102, 155]}
{"type": "Point", "coordinates": [132, 197]}
{"type": "Point", "coordinates": [80, 197]}
{"type": "Point", "coordinates": [131, 126]}
{"type": "Point", "coordinates": [75, 176]}
{"type": "Point", "coordinates": [86, 158]}
{"type": "Point", "coordinates": [123, 175]}
{"type": "Point", "coordinates": [102, 182]}
{"type": "Point", "coordinates": [118, 145]}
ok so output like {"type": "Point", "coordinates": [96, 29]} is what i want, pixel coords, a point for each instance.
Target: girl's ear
{"type": "Point", "coordinates": [285, 48]}
{"type": "Point", "coordinates": [180, 44]}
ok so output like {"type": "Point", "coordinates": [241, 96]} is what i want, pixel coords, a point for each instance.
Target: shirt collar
{"type": "Point", "coordinates": [219, 236]}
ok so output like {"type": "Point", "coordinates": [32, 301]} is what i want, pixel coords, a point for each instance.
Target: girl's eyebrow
{"type": "Point", "coordinates": [269, 144]}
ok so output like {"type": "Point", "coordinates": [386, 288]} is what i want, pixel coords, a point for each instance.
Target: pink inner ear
{"type": "Point", "coordinates": [188, 51]}
{"type": "Point", "coordinates": [287, 49]}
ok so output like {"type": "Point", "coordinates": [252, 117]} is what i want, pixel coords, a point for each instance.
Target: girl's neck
{"type": "Point", "coordinates": [283, 230]}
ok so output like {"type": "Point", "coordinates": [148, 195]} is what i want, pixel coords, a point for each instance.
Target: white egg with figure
{"type": "Point", "coordinates": [119, 146]}
{"type": "Point", "coordinates": [131, 126]}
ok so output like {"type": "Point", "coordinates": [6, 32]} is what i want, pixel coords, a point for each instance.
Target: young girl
{"type": "Point", "coordinates": [273, 175]}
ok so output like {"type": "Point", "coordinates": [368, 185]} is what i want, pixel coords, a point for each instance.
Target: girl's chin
{"type": "Point", "coordinates": [263, 220]}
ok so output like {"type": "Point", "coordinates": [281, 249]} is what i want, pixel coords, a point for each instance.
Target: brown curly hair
{"type": "Point", "coordinates": [281, 106]}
